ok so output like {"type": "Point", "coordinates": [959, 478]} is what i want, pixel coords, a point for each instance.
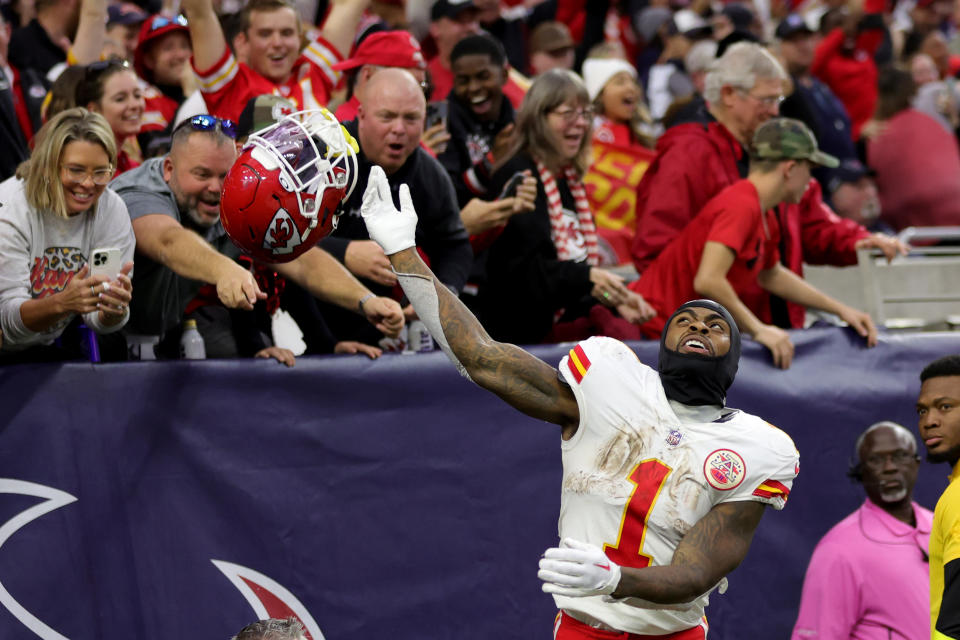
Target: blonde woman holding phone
{"type": "Point", "coordinates": [54, 213]}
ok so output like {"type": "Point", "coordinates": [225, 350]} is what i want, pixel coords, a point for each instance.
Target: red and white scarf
{"type": "Point", "coordinates": [560, 232]}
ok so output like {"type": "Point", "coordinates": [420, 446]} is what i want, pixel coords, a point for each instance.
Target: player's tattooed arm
{"type": "Point", "coordinates": [521, 379]}
{"type": "Point", "coordinates": [715, 546]}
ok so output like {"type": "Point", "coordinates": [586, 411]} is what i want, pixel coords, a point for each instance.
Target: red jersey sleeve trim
{"type": "Point", "coordinates": [219, 75]}
{"type": "Point", "coordinates": [324, 55]}
{"type": "Point", "coordinates": [772, 489]}
{"type": "Point", "coordinates": [578, 362]}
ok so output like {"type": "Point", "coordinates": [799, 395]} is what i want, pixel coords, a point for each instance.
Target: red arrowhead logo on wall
{"type": "Point", "coordinates": [268, 598]}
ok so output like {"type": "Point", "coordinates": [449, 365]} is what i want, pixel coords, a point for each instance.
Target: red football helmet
{"type": "Point", "coordinates": [283, 193]}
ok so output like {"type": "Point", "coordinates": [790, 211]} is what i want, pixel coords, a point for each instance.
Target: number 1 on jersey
{"type": "Point", "coordinates": [649, 477]}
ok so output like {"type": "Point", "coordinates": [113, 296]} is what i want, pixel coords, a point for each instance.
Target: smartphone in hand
{"type": "Point", "coordinates": [106, 261]}
{"type": "Point", "coordinates": [436, 113]}
{"type": "Point", "coordinates": [510, 188]}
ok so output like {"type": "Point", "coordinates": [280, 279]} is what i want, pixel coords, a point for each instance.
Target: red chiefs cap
{"type": "Point", "coordinates": [154, 27]}
{"type": "Point", "coordinates": [386, 49]}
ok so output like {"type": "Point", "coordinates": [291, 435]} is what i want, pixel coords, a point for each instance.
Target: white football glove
{"type": "Point", "coordinates": [578, 569]}
{"type": "Point", "coordinates": [393, 230]}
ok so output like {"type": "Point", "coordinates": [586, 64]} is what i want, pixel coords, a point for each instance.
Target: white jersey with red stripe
{"type": "Point", "coordinates": [229, 84]}
{"type": "Point", "coordinates": [636, 478]}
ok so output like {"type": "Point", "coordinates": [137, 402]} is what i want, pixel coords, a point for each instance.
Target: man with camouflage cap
{"type": "Point", "coordinates": [697, 160]}
{"type": "Point", "coordinates": [733, 244]}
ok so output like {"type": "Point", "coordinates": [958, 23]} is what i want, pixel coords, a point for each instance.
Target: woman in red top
{"type": "Point", "coordinates": [112, 89]}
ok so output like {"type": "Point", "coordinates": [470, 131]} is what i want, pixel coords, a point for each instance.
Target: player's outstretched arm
{"type": "Point", "coordinates": [715, 546]}
{"type": "Point", "coordinates": [524, 381]}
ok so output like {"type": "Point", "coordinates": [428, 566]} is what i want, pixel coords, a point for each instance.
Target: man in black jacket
{"type": "Point", "coordinates": [388, 128]}
{"type": "Point", "coordinates": [480, 119]}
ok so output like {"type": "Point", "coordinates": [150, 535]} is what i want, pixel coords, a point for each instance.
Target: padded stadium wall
{"type": "Point", "coordinates": [373, 499]}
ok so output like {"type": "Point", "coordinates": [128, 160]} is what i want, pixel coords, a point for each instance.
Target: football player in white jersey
{"type": "Point", "coordinates": [663, 486]}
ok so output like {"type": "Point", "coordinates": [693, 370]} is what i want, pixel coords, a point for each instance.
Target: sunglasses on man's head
{"type": "Point", "coordinates": [207, 122]}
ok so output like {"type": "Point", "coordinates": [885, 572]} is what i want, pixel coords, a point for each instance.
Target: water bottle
{"type": "Point", "coordinates": [191, 342]}
{"type": "Point", "coordinates": [418, 338]}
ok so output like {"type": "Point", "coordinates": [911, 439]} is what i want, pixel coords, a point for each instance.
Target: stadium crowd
{"type": "Point", "coordinates": [562, 145]}
{"type": "Point", "coordinates": [579, 167]}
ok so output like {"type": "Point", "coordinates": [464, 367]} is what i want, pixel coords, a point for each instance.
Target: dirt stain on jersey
{"type": "Point", "coordinates": [609, 477]}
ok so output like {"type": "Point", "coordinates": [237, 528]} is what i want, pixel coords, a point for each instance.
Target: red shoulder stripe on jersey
{"type": "Point", "coordinates": [578, 363]}
{"type": "Point", "coordinates": [772, 489]}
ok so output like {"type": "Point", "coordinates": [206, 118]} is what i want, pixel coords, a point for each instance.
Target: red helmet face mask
{"type": "Point", "coordinates": [283, 194]}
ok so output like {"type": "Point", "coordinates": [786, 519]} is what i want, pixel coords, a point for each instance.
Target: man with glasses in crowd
{"type": "Point", "coordinates": [730, 250]}
{"type": "Point", "coordinates": [868, 575]}
{"type": "Point", "coordinates": [174, 203]}
{"type": "Point", "coordinates": [695, 161]}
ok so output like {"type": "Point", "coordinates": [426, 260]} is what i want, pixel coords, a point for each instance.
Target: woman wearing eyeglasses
{"type": "Point", "coordinates": [112, 89]}
{"type": "Point", "coordinates": [55, 212]}
{"type": "Point", "coordinates": [543, 266]}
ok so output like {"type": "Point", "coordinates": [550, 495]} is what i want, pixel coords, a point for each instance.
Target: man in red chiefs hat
{"type": "Point", "coordinates": [375, 52]}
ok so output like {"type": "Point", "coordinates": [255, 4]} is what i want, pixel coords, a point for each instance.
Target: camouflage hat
{"type": "Point", "coordinates": [786, 138]}
{"type": "Point", "coordinates": [262, 111]}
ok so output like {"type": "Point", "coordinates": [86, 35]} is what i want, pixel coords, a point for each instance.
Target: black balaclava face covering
{"type": "Point", "coordinates": [694, 379]}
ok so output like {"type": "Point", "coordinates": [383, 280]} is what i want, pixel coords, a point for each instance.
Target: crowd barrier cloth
{"type": "Point", "coordinates": [373, 499]}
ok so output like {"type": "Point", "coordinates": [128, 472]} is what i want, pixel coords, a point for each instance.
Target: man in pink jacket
{"type": "Point", "coordinates": [868, 577]}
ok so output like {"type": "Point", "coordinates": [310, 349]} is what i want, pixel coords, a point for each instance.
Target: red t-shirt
{"type": "Point", "coordinates": [228, 85]}
{"type": "Point", "coordinates": [732, 218]}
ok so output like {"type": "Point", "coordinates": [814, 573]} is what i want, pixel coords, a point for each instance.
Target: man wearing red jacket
{"type": "Point", "coordinates": [730, 250]}
{"type": "Point", "coordinates": [696, 161]}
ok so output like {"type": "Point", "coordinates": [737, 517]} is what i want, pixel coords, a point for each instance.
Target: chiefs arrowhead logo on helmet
{"type": "Point", "coordinates": [284, 192]}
